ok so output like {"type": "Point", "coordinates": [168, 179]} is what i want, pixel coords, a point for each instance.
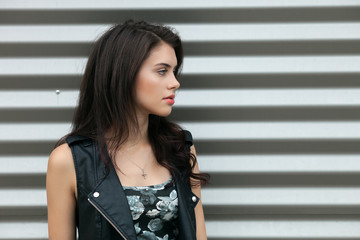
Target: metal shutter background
{"type": "Point", "coordinates": [270, 91]}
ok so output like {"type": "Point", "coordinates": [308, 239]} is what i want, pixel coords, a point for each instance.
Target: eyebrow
{"type": "Point", "coordinates": [164, 64]}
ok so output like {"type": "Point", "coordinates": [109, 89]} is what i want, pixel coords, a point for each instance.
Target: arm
{"type": "Point", "coordinates": [61, 192]}
{"type": "Point", "coordinates": [199, 212]}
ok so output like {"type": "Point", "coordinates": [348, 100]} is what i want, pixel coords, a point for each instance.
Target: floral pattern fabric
{"type": "Point", "coordinates": [154, 210]}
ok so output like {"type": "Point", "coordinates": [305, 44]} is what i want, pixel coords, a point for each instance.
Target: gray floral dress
{"type": "Point", "coordinates": [154, 210]}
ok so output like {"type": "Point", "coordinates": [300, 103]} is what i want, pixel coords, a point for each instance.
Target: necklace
{"type": "Point", "coordinates": [144, 174]}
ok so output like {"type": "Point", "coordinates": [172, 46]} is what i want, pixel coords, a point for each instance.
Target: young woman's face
{"type": "Point", "coordinates": [156, 83]}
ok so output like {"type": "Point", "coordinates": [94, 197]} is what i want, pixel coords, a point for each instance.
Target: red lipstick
{"type": "Point", "coordinates": [170, 99]}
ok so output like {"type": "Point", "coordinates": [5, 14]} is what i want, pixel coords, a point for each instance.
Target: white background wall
{"type": "Point", "coordinates": [270, 91]}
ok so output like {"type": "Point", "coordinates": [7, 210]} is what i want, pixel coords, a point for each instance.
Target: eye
{"type": "Point", "coordinates": [162, 71]}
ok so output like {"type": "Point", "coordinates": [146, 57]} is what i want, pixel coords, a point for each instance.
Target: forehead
{"type": "Point", "coordinates": [163, 53]}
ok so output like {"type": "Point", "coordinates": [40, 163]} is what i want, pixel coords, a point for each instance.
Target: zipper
{"type": "Point", "coordinates": [122, 235]}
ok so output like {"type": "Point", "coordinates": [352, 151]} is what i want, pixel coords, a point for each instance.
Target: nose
{"type": "Point", "coordinates": [174, 83]}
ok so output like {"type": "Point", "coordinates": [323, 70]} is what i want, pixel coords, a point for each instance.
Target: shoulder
{"type": "Point", "coordinates": [60, 173]}
{"type": "Point", "coordinates": [188, 137]}
{"type": "Point", "coordinates": [61, 159]}
{"type": "Point", "coordinates": [189, 141]}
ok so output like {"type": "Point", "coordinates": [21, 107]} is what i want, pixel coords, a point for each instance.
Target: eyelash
{"type": "Point", "coordinates": [163, 71]}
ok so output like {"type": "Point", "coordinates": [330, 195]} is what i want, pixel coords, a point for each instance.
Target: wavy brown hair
{"type": "Point", "coordinates": [107, 96]}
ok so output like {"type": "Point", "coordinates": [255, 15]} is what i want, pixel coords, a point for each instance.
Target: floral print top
{"type": "Point", "coordinates": [154, 211]}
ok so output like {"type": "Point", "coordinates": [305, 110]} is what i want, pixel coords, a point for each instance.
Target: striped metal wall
{"type": "Point", "coordinates": [270, 91]}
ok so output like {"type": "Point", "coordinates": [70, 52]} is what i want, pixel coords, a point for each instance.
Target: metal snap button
{"type": "Point", "coordinates": [96, 194]}
{"type": "Point", "coordinates": [193, 199]}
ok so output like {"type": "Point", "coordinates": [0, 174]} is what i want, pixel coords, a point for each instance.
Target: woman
{"type": "Point", "coordinates": [125, 171]}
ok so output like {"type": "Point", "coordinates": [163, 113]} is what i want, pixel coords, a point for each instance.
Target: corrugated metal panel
{"type": "Point", "coordinates": [270, 91]}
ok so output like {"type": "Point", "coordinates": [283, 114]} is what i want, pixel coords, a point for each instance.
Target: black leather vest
{"type": "Point", "coordinates": [102, 209]}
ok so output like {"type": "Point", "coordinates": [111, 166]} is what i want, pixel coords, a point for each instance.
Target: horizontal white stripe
{"type": "Point", "coordinates": [33, 131]}
{"type": "Point", "coordinates": [23, 198]}
{"type": "Point", "coordinates": [38, 99]}
{"type": "Point", "coordinates": [163, 4]}
{"type": "Point", "coordinates": [308, 163]}
{"type": "Point", "coordinates": [244, 229]}
{"type": "Point", "coordinates": [268, 31]}
{"type": "Point", "coordinates": [50, 33]}
{"type": "Point", "coordinates": [56, 66]}
{"type": "Point", "coordinates": [292, 64]}
{"type": "Point", "coordinates": [284, 229]}
{"type": "Point", "coordinates": [196, 65]}
{"type": "Point", "coordinates": [188, 32]}
{"type": "Point", "coordinates": [279, 163]}
{"type": "Point", "coordinates": [205, 131]}
{"type": "Point", "coordinates": [222, 197]}
{"type": "Point", "coordinates": [23, 230]}
{"type": "Point", "coordinates": [274, 130]}
{"type": "Point", "coordinates": [267, 97]}
{"type": "Point", "coordinates": [281, 196]}
{"type": "Point", "coordinates": [200, 98]}
{"type": "Point", "coordinates": [23, 165]}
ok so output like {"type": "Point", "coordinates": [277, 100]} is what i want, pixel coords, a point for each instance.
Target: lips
{"type": "Point", "coordinates": [170, 99]}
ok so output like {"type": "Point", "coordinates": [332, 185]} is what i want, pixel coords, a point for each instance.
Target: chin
{"type": "Point", "coordinates": [163, 113]}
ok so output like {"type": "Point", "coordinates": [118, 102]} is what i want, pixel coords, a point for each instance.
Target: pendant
{"type": "Point", "coordinates": [144, 174]}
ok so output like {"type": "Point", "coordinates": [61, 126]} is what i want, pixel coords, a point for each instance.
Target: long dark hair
{"type": "Point", "coordinates": [107, 93]}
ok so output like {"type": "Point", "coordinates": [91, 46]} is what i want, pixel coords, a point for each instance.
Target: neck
{"type": "Point", "coordinates": [140, 137]}
{"type": "Point", "coordinates": [136, 139]}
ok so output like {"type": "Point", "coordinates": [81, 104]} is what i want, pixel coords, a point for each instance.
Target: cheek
{"type": "Point", "coordinates": [146, 88]}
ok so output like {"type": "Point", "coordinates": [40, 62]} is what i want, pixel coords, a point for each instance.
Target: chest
{"type": "Point", "coordinates": [140, 169]}
{"type": "Point", "coordinates": [154, 210]}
